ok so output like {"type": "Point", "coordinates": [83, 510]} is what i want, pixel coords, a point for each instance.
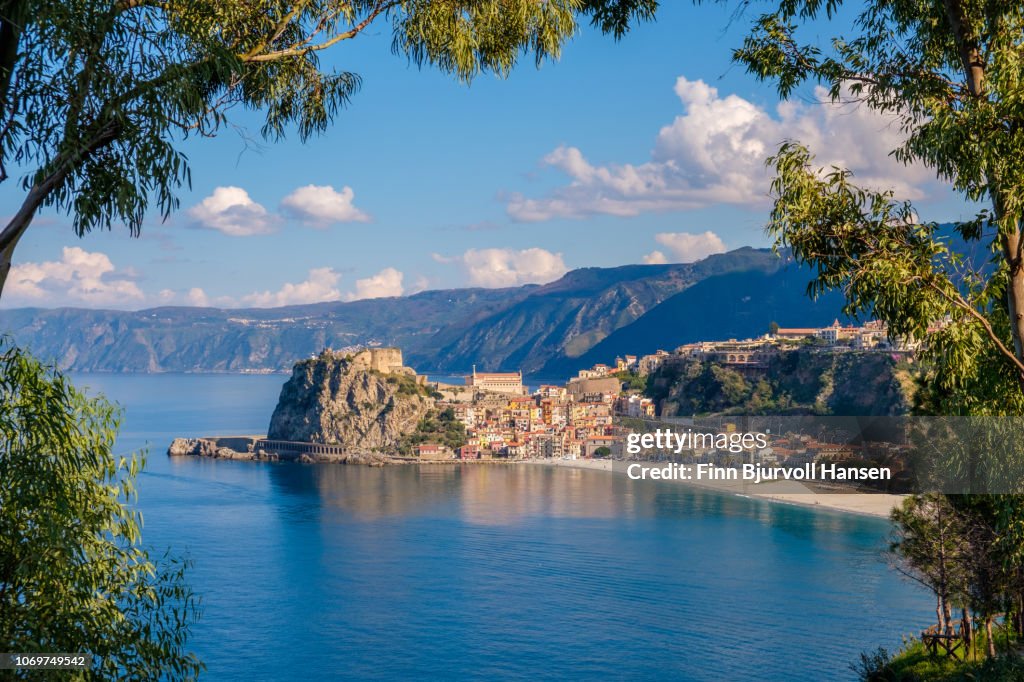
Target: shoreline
{"type": "Point", "coordinates": [875, 505]}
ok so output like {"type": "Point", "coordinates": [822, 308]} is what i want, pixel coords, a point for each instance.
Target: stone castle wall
{"type": "Point", "coordinates": [383, 360]}
{"type": "Point", "coordinates": [578, 387]}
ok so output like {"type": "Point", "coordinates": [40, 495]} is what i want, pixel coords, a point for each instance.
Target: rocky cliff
{"type": "Point", "coordinates": [798, 382]}
{"type": "Point", "coordinates": [365, 402]}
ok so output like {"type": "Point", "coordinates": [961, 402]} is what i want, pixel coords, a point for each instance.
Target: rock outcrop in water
{"type": "Point", "coordinates": [211, 447]}
{"type": "Point", "coordinates": [246, 447]}
{"type": "Point", "coordinates": [365, 401]}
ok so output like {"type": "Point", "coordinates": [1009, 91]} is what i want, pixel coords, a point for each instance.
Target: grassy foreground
{"type": "Point", "coordinates": [913, 663]}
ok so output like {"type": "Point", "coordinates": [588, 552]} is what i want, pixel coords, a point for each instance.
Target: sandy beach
{"type": "Point", "coordinates": [783, 492]}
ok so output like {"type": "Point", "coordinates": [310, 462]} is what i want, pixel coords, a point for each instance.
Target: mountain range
{"type": "Point", "coordinates": [589, 315]}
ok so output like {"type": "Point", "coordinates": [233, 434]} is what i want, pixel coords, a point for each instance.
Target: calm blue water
{"type": "Point", "coordinates": [511, 572]}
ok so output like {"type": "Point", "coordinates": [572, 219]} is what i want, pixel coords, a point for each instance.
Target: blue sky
{"type": "Point", "coordinates": [645, 150]}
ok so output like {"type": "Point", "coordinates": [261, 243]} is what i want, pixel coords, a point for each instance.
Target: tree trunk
{"type": "Point", "coordinates": [966, 628]}
{"type": "Point", "coordinates": [6, 258]}
{"type": "Point", "coordinates": [58, 172]}
{"type": "Point", "coordinates": [945, 615]}
{"type": "Point", "coordinates": [971, 59]}
{"type": "Point", "coordinates": [12, 233]}
{"type": "Point", "coordinates": [1006, 634]}
{"type": "Point", "coordinates": [1010, 241]}
{"type": "Point", "coordinates": [1015, 291]}
{"type": "Point", "coordinates": [1019, 615]}
{"type": "Point", "coordinates": [991, 638]}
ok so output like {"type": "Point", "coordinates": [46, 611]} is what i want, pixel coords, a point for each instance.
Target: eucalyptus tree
{"type": "Point", "coordinates": [74, 575]}
{"type": "Point", "coordinates": [96, 96]}
{"type": "Point", "coordinates": [949, 73]}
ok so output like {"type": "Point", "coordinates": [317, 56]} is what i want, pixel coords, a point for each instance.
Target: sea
{"type": "Point", "coordinates": [493, 572]}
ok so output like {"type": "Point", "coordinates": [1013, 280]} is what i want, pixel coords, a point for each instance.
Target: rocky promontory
{"type": "Point", "coordinates": [364, 402]}
{"type": "Point", "coordinates": [363, 407]}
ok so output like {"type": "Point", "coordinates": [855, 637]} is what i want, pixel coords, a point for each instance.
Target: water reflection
{"type": "Point", "coordinates": [508, 494]}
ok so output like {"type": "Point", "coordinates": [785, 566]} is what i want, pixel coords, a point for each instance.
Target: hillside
{"type": "Point", "coordinates": [565, 319]}
{"type": "Point", "coordinates": [183, 339]}
{"type": "Point", "coordinates": [589, 315]}
{"type": "Point", "coordinates": [733, 305]}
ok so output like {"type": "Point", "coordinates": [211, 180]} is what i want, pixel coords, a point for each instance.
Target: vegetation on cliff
{"type": "Point", "coordinates": [803, 381]}
{"type": "Point", "coordinates": [632, 381]}
{"type": "Point", "coordinates": [438, 426]}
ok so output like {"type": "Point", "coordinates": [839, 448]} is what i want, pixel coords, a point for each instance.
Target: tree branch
{"type": "Point", "coordinates": [125, 5]}
{"type": "Point", "coordinates": [959, 302]}
{"type": "Point", "coordinates": [967, 47]}
{"type": "Point", "coordinates": [299, 50]}
{"type": "Point", "coordinates": [61, 169]}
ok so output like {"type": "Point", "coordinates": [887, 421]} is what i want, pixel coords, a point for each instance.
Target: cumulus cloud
{"type": "Point", "coordinates": [321, 284]}
{"type": "Point", "coordinates": [79, 277]}
{"type": "Point", "coordinates": [197, 297]}
{"type": "Point", "coordinates": [232, 211]}
{"type": "Point", "coordinates": [714, 152]}
{"type": "Point", "coordinates": [687, 247]}
{"type": "Point", "coordinates": [387, 282]}
{"type": "Point", "coordinates": [655, 258]}
{"type": "Point", "coordinates": [422, 283]}
{"type": "Point", "coordinates": [322, 205]}
{"type": "Point", "coordinates": [508, 267]}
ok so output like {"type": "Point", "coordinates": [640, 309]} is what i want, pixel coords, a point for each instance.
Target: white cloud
{"type": "Point", "coordinates": [79, 277]}
{"type": "Point", "coordinates": [508, 267]}
{"type": "Point", "coordinates": [230, 210]}
{"type": "Point", "coordinates": [321, 284]}
{"type": "Point", "coordinates": [655, 258]}
{"type": "Point", "coordinates": [197, 297]}
{"type": "Point", "coordinates": [422, 283]}
{"type": "Point", "coordinates": [321, 205]}
{"type": "Point", "coordinates": [687, 247]}
{"type": "Point", "coordinates": [387, 282]}
{"type": "Point", "coordinates": [714, 152]}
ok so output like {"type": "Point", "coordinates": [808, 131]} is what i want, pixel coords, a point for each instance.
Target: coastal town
{"type": "Point", "coordinates": [591, 415]}
{"type": "Point", "coordinates": [364, 406]}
